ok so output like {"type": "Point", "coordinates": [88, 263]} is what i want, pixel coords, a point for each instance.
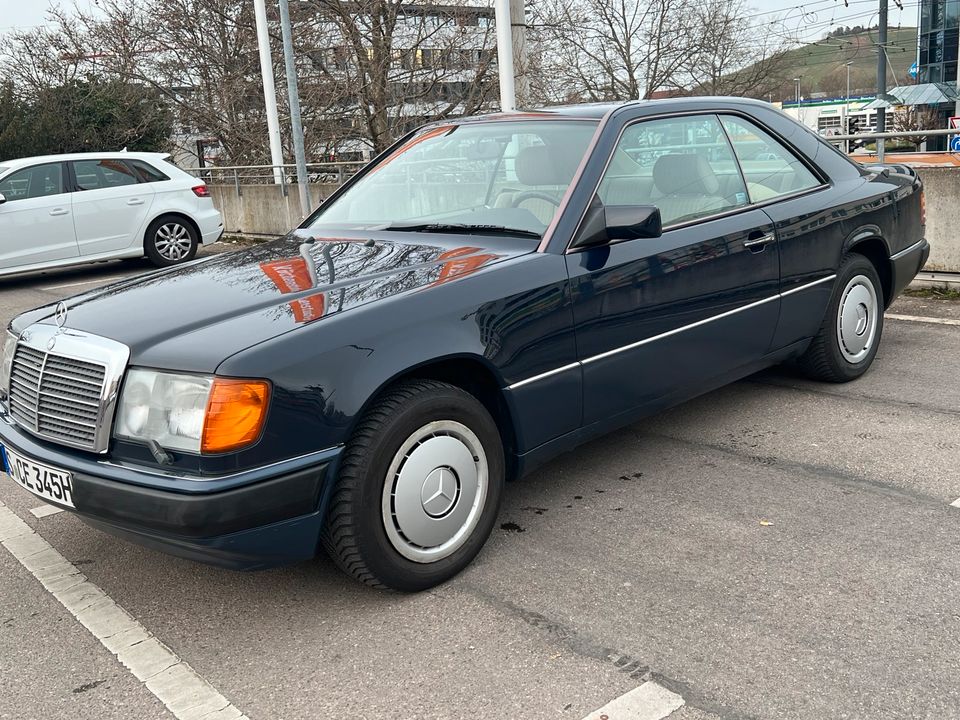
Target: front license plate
{"type": "Point", "coordinates": [47, 482]}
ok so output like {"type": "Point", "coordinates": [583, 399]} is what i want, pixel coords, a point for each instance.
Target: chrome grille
{"type": "Point", "coordinates": [57, 396]}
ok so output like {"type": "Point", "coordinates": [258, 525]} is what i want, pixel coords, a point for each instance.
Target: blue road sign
{"type": "Point", "coordinates": [955, 144]}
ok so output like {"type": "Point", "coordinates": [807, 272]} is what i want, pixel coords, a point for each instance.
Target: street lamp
{"type": "Point", "coordinates": [797, 81]}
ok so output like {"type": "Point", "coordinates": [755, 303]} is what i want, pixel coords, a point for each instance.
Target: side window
{"type": "Point", "coordinates": [683, 165]}
{"type": "Point", "coordinates": [33, 182]}
{"type": "Point", "coordinates": [146, 172]}
{"type": "Point", "coordinates": [98, 174]}
{"type": "Point", "coordinates": [769, 168]}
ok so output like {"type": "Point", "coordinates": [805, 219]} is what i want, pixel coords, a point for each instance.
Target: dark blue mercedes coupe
{"type": "Point", "coordinates": [484, 295]}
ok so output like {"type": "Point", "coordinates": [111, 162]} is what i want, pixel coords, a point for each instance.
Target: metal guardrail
{"type": "Point", "coordinates": [237, 175]}
{"type": "Point", "coordinates": [891, 135]}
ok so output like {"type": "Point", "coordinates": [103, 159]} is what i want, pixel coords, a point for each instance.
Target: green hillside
{"type": "Point", "coordinates": [822, 65]}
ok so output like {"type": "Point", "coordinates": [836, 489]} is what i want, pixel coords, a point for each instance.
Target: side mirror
{"type": "Point", "coordinates": [631, 222]}
{"type": "Point", "coordinates": [2, 199]}
{"type": "Point", "coordinates": [603, 224]}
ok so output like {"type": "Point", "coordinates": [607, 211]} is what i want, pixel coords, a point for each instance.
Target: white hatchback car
{"type": "Point", "coordinates": [68, 209]}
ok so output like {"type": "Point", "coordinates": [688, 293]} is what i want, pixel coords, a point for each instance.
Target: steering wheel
{"type": "Point", "coordinates": [534, 195]}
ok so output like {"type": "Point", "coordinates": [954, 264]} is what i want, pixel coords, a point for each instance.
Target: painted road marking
{"type": "Point", "coordinates": [177, 685]}
{"type": "Point", "coordinates": [955, 503]}
{"type": "Point", "coordinates": [45, 510]}
{"type": "Point", "coordinates": [649, 701]}
{"type": "Point", "coordinates": [923, 319]}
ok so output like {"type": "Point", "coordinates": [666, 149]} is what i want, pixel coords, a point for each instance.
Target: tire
{"type": "Point", "coordinates": [387, 525]}
{"type": "Point", "coordinates": [170, 240]}
{"type": "Point", "coordinates": [847, 342]}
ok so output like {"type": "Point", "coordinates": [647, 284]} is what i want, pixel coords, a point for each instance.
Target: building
{"type": "Point", "coordinates": [938, 40]}
{"type": "Point", "coordinates": [833, 116]}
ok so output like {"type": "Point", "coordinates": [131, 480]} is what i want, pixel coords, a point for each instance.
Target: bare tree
{"type": "Point", "coordinates": [917, 118]}
{"type": "Point", "coordinates": [732, 57]}
{"type": "Point", "coordinates": [609, 49]}
{"type": "Point", "coordinates": [397, 63]}
{"type": "Point", "coordinates": [627, 49]}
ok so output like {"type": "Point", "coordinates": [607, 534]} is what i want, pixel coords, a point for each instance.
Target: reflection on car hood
{"type": "Point", "coordinates": [192, 317]}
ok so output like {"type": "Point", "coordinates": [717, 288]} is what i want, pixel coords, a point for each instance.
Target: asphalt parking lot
{"type": "Point", "coordinates": [776, 549]}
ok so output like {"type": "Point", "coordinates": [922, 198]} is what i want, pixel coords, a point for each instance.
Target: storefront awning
{"type": "Point", "coordinates": [923, 94]}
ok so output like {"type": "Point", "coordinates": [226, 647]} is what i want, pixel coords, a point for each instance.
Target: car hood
{"type": "Point", "coordinates": [193, 317]}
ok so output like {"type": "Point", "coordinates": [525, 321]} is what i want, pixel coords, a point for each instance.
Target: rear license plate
{"type": "Point", "coordinates": [47, 482]}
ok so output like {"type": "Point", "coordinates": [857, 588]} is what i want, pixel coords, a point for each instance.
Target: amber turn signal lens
{"type": "Point", "coordinates": [236, 411]}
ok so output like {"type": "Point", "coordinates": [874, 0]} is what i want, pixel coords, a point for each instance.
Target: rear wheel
{"type": "Point", "coordinates": [170, 240]}
{"type": "Point", "coordinates": [847, 342]}
{"type": "Point", "coordinates": [419, 488]}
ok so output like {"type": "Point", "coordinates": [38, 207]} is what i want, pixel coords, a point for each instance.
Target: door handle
{"type": "Point", "coordinates": [134, 201]}
{"type": "Point", "coordinates": [757, 244]}
{"type": "Point", "coordinates": [59, 211]}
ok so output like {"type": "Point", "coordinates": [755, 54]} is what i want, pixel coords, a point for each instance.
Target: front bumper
{"type": "Point", "coordinates": [255, 519]}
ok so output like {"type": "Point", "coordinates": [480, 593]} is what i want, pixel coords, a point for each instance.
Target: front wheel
{"type": "Point", "coordinates": [847, 342]}
{"type": "Point", "coordinates": [170, 240]}
{"type": "Point", "coordinates": [418, 490]}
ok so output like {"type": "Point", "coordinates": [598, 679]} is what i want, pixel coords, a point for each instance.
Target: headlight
{"type": "Point", "coordinates": [191, 413]}
{"type": "Point", "coordinates": [6, 363]}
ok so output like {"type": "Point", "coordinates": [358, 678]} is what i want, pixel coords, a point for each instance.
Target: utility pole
{"type": "Point", "coordinates": [518, 25]}
{"type": "Point", "coordinates": [846, 109]}
{"type": "Point", "coordinates": [882, 78]}
{"type": "Point", "coordinates": [296, 123]}
{"type": "Point", "coordinates": [269, 89]}
{"type": "Point", "coordinates": [508, 94]}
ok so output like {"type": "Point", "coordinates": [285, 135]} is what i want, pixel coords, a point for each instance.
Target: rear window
{"type": "Point", "coordinates": [99, 174]}
{"type": "Point", "coordinates": [146, 172]}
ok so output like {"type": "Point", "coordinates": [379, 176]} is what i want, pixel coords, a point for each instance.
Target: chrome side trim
{"type": "Point", "coordinates": [675, 331]}
{"type": "Point", "coordinates": [908, 250]}
{"type": "Point", "coordinates": [828, 278]}
{"type": "Point", "coordinates": [541, 376]}
{"type": "Point", "coordinates": [661, 336]}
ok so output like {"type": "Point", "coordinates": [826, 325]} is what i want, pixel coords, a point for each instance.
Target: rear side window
{"type": "Point", "coordinates": [146, 172]}
{"type": "Point", "coordinates": [33, 182]}
{"type": "Point", "coordinates": [768, 167]}
{"type": "Point", "coordinates": [99, 174]}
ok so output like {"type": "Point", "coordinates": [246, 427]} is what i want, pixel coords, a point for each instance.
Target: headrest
{"type": "Point", "coordinates": [535, 165]}
{"type": "Point", "coordinates": [684, 175]}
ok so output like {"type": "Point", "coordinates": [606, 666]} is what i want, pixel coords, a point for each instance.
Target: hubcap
{"type": "Point", "coordinates": [435, 491]}
{"type": "Point", "coordinates": [173, 241]}
{"type": "Point", "coordinates": [857, 318]}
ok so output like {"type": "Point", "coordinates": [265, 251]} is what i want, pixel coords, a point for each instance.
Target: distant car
{"type": "Point", "coordinates": [487, 294]}
{"type": "Point", "coordinates": [64, 210]}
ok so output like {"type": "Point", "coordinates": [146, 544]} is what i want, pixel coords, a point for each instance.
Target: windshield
{"type": "Point", "coordinates": [497, 176]}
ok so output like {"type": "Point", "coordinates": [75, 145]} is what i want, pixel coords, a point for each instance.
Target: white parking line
{"type": "Point", "coordinates": [178, 686]}
{"type": "Point", "coordinates": [923, 319]}
{"type": "Point", "coordinates": [45, 510]}
{"type": "Point", "coordinates": [650, 701]}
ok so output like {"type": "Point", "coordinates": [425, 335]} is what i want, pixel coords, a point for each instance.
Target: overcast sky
{"type": "Point", "coordinates": [805, 19]}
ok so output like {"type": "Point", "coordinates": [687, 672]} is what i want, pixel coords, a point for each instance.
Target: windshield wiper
{"type": "Point", "coordinates": [464, 228]}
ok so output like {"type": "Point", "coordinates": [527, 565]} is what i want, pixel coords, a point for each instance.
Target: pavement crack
{"type": "Point", "coordinates": [834, 476]}
{"type": "Point", "coordinates": [856, 397]}
{"type": "Point", "coordinates": [588, 647]}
